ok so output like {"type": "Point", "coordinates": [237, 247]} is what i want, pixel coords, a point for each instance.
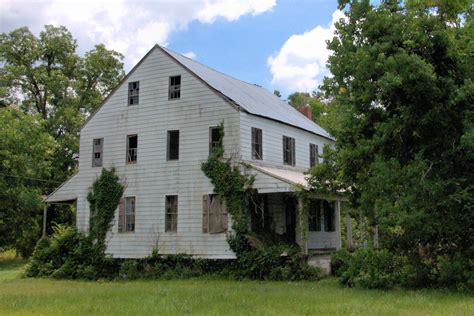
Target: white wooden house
{"type": "Point", "coordinates": [158, 126]}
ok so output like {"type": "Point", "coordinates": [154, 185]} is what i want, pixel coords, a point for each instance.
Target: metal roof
{"type": "Point", "coordinates": [292, 177]}
{"type": "Point", "coordinates": [250, 97]}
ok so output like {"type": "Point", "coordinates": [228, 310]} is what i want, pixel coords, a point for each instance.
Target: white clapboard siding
{"type": "Point", "coordinates": [272, 139]}
{"type": "Point", "coordinates": [153, 177]}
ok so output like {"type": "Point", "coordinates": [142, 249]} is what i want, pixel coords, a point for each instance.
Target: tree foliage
{"type": "Point", "coordinates": [45, 75]}
{"type": "Point", "coordinates": [46, 92]}
{"type": "Point", "coordinates": [403, 86]}
{"type": "Point", "coordinates": [26, 151]}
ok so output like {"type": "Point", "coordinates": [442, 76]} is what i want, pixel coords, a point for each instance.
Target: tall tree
{"type": "Point", "coordinates": [403, 85]}
{"type": "Point", "coordinates": [313, 100]}
{"type": "Point", "coordinates": [44, 75]}
{"type": "Point", "coordinates": [26, 152]}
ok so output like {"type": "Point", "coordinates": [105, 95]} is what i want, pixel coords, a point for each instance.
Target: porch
{"type": "Point", "coordinates": [313, 224]}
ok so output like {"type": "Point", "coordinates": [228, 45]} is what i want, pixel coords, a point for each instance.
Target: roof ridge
{"type": "Point", "coordinates": [211, 68]}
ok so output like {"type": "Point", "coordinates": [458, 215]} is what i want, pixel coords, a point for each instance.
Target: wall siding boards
{"type": "Point", "coordinates": [272, 136]}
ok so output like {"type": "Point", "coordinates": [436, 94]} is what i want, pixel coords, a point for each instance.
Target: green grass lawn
{"type": "Point", "coordinates": [21, 296]}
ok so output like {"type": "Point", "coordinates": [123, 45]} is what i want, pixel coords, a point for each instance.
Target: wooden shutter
{"type": "Point", "coordinates": [121, 219]}
{"type": "Point", "coordinates": [217, 215]}
{"type": "Point", "coordinates": [205, 214]}
{"type": "Point", "coordinates": [293, 152]}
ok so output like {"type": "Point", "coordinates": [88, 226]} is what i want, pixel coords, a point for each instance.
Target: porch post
{"type": "Point", "coordinates": [338, 224]}
{"type": "Point", "coordinates": [45, 214]}
{"type": "Point", "coordinates": [302, 222]}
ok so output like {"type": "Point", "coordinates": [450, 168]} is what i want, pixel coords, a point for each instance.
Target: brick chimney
{"type": "Point", "coordinates": [306, 111]}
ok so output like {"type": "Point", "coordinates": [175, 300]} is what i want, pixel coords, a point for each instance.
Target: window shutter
{"type": "Point", "coordinates": [293, 152]}
{"type": "Point", "coordinates": [224, 217]}
{"type": "Point", "coordinates": [205, 214]}
{"type": "Point", "coordinates": [121, 219]}
{"type": "Point", "coordinates": [99, 149]}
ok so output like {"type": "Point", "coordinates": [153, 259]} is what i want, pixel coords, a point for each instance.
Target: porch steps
{"type": "Point", "coordinates": [321, 258]}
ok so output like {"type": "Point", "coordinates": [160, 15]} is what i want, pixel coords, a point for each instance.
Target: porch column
{"type": "Point", "coordinates": [338, 224]}
{"type": "Point", "coordinates": [45, 215]}
{"type": "Point", "coordinates": [302, 226]}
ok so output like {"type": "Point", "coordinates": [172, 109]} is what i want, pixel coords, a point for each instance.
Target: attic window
{"type": "Point", "coordinates": [174, 88]}
{"type": "Point", "coordinates": [288, 150]}
{"type": "Point", "coordinates": [133, 89]}
{"type": "Point", "coordinates": [97, 146]}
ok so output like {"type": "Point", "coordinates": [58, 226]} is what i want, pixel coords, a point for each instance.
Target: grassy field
{"type": "Point", "coordinates": [20, 296]}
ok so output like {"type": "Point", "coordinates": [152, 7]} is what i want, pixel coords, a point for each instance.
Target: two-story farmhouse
{"type": "Point", "coordinates": [160, 124]}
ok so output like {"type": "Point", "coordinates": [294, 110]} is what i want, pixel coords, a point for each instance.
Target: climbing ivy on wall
{"type": "Point", "coordinates": [104, 198]}
{"type": "Point", "coordinates": [233, 186]}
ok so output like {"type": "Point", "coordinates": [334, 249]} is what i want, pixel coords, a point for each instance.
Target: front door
{"type": "Point", "coordinates": [290, 219]}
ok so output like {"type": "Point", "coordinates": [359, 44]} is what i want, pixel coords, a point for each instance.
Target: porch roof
{"type": "Point", "coordinates": [273, 179]}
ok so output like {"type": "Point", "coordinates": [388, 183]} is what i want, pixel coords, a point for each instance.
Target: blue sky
{"type": "Point", "coordinates": [277, 44]}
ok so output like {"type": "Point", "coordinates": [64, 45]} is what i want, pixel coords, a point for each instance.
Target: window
{"type": "Point", "coordinates": [314, 216]}
{"type": "Point", "coordinates": [127, 215]}
{"type": "Point", "coordinates": [97, 146]}
{"type": "Point", "coordinates": [132, 147]}
{"type": "Point", "coordinates": [133, 89]}
{"type": "Point", "coordinates": [257, 143]}
{"type": "Point", "coordinates": [214, 214]}
{"type": "Point", "coordinates": [313, 155]}
{"type": "Point", "coordinates": [174, 88]}
{"type": "Point", "coordinates": [215, 140]}
{"type": "Point", "coordinates": [173, 145]}
{"type": "Point", "coordinates": [288, 151]}
{"type": "Point", "coordinates": [171, 219]}
{"type": "Point", "coordinates": [329, 223]}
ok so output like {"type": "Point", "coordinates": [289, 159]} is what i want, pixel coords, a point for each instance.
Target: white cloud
{"type": "Point", "coordinates": [232, 9]}
{"type": "Point", "coordinates": [130, 27]}
{"type": "Point", "coordinates": [191, 55]}
{"type": "Point", "coordinates": [300, 64]}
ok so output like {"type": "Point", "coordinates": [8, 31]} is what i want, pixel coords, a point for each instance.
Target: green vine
{"type": "Point", "coordinates": [104, 198]}
{"type": "Point", "coordinates": [233, 186]}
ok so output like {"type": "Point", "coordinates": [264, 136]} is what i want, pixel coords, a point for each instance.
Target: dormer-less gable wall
{"type": "Point", "coordinates": [153, 176]}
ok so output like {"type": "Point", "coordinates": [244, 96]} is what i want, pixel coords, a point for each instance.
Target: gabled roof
{"type": "Point", "coordinates": [249, 97]}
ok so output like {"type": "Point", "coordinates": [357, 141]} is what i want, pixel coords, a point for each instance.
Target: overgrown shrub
{"type": "Point", "coordinates": [340, 261]}
{"type": "Point", "coordinates": [381, 269]}
{"type": "Point", "coordinates": [375, 269]}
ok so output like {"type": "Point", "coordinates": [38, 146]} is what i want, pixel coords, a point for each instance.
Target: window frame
{"type": "Point", "coordinates": [314, 216]}
{"type": "Point", "coordinates": [94, 152]}
{"type": "Point", "coordinates": [257, 143]}
{"type": "Point", "coordinates": [171, 213]}
{"type": "Point", "coordinates": [124, 225]}
{"type": "Point", "coordinates": [133, 93]}
{"type": "Point", "coordinates": [329, 211]}
{"type": "Point", "coordinates": [174, 90]}
{"type": "Point", "coordinates": [313, 155]}
{"type": "Point", "coordinates": [289, 152]}
{"type": "Point", "coordinates": [213, 143]}
{"type": "Point", "coordinates": [134, 154]}
{"type": "Point", "coordinates": [168, 145]}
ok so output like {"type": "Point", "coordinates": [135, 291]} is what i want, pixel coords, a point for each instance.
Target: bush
{"type": "Point", "coordinates": [340, 261]}
{"type": "Point", "coordinates": [374, 269]}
